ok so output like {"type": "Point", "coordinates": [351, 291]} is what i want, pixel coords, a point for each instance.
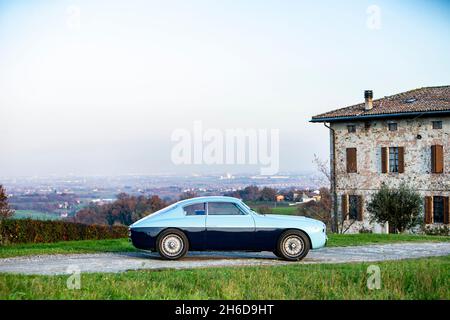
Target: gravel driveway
{"type": "Point", "coordinates": [118, 262]}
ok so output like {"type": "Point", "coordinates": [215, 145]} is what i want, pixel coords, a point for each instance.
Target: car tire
{"type": "Point", "coordinates": [293, 245]}
{"type": "Point", "coordinates": [172, 244]}
{"type": "Point", "coordinates": [275, 252]}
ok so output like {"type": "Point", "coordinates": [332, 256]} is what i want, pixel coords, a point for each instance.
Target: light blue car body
{"type": "Point", "coordinates": [249, 231]}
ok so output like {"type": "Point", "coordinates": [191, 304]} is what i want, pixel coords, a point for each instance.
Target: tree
{"type": "Point", "coordinates": [90, 215]}
{"type": "Point", "coordinates": [399, 207]}
{"type": "Point", "coordinates": [319, 210]}
{"type": "Point", "coordinates": [250, 193]}
{"type": "Point", "coordinates": [188, 195]}
{"type": "Point", "coordinates": [125, 210]}
{"type": "Point", "coordinates": [5, 210]}
{"type": "Point", "coordinates": [268, 194]}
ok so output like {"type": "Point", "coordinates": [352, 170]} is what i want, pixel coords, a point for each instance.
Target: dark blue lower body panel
{"type": "Point", "coordinates": [213, 239]}
{"type": "Point", "coordinates": [145, 238]}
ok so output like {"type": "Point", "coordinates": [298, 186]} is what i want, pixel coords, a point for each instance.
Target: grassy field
{"type": "Point", "coordinates": [275, 207]}
{"type": "Point", "coordinates": [285, 210]}
{"type": "Point", "coordinates": [121, 245]}
{"type": "Point", "coordinates": [66, 247]}
{"type": "Point", "coordinates": [408, 279]}
{"type": "Point", "coordinates": [35, 215]}
{"type": "Point", "coordinates": [342, 240]}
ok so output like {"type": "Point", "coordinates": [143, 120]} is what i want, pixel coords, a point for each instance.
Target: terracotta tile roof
{"type": "Point", "coordinates": [417, 101]}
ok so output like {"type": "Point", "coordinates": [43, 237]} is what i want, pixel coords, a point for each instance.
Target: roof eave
{"type": "Point", "coordinates": [381, 116]}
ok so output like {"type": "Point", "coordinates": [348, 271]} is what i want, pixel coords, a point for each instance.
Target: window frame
{"type": "Point", "coordinates": [438, 200]}
{"type": "Point", "coordinates": [353, 128]}
{"type": "Point", "coordinates": [435, 126]}
{"type": "Point", "coordinates": [393, 160]}
{"type": "Point", "coordinates": [395, 124]}
{"type": "Point", "coordinates": [353, 198]}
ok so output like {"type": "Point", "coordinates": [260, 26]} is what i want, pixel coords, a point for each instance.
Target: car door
{"type": "Point", "coordinates": [194, 225]}
{"type": "Point", "coordinates": [228, 227]}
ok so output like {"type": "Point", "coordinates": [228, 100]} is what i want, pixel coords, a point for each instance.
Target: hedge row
{"type": "Point", "coordinates": [39, 231]}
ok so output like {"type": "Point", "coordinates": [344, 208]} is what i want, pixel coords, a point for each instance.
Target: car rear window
{"type": "Point", "coordinates": [196, 209]}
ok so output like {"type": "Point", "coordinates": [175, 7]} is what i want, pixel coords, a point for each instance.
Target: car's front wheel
{"type": "Point", "coordinates": [293, 245]}
{"type": "Point", "coordinates": [172, 244]}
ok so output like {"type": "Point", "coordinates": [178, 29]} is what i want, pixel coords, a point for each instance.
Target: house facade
{"type": "Point", "coordinates": [399, 138]}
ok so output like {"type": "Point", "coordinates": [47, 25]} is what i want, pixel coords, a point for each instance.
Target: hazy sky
{"type": "Point", "coordinates": [98, 87]}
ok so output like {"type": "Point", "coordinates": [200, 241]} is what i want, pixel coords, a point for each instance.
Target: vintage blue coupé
{"type": "Point", "coordinates": [225, 223]}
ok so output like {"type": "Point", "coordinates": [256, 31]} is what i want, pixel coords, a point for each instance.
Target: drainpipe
{"type": "Point", "coordinates": [333, 176]}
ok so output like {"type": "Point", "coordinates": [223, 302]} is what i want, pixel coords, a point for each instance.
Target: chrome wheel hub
{"type": "Point", "coordinates": [293, 246]}
{"type": "Point", "coordinates": [172, 245]}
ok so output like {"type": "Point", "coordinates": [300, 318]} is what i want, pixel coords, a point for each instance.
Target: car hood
{"type": "Point", "coordinates": [287, 217]}
{"type": "Point", "coordinates": [293, 219]}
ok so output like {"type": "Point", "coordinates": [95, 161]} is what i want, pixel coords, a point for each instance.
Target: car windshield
{"type": "Point", "coordinates": [248, 208]}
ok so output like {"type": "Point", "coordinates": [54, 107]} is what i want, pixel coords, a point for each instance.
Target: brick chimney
{"type": "Point", "coordinates": [368, 96]}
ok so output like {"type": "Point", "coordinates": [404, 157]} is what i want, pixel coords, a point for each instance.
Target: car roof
{"type": "Point", "coordinates": [208, 199]}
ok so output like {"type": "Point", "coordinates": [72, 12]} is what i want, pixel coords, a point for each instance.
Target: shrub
{"type": "Point", "coordinates": [439, 230]}
{"type": "Point", "coordinates": [5, 210]}
{"type": "Point", "coordinates": [365, 230]}
{"type": "Point", "coordinates": [39, 231]}
{"type": "Point", "coordinates": [399, 207]}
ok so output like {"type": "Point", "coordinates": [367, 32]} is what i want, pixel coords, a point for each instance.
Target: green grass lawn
{"type": "Point", "coordinates": [121, 245]}
{"type": "Point", "coordinates": [35, 215]}
{"type": "Point", "coordinates": [65, 247]}
{"type": "Point", "coordinates": [342, 240]}
{"type": "Point", "coordinates": [408, 279]}
{"type": "Point", "coordinates": [292, 210]}
{"type": "Point", "coordinates": [275, 207]}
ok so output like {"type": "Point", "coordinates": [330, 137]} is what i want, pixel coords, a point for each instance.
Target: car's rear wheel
{"type": "Point", "coordinates": [172, 244]}
{"type": "Point", "coordinates": [293, 245]}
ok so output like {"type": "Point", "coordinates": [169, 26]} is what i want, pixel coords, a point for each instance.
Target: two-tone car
{"type": "Point", "coordinates": [225, 224]}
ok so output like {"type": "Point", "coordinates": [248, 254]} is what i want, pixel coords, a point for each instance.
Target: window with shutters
{"type": "Point", "coordinates": [351, 160]}
{"type": "Point", "coordinates": [438, 209]}
{"type": "Point", "coordinates": [393, 159]}
{"type": "Point", "coordinates": [437, 159]}
{"type": "Point", "coordinates": [428, 210]}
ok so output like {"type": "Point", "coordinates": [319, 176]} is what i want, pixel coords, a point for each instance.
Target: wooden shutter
{"type": "Point", "coordinates": [384, 160]}
{"type": "Point", "coordinates": [437, 159]}
{"type": "Point", "coordinates": [401, 159]}
{"type": "Point", "coordinates": [344, 200]}
{"type": "Point", "coordinates": [351, 160]}
{"type": "Point", "coordinates": [446, 211]}
{"type": "Point", "coordinates": [360, 208]}
{"type": "Point", "coordinates": [428, 210]}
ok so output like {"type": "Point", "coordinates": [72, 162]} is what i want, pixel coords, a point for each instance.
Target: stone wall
{"type": "Point", "coordinates": [369, 138]}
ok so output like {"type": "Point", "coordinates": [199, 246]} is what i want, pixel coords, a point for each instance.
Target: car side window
{"type": "Point", "coordinates": [196, 209]}
{"type": "Point", "coordinates": [223, 208]}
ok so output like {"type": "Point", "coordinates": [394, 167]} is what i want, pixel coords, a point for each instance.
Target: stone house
{"type": "Point", "coordinates": [400, 138]}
